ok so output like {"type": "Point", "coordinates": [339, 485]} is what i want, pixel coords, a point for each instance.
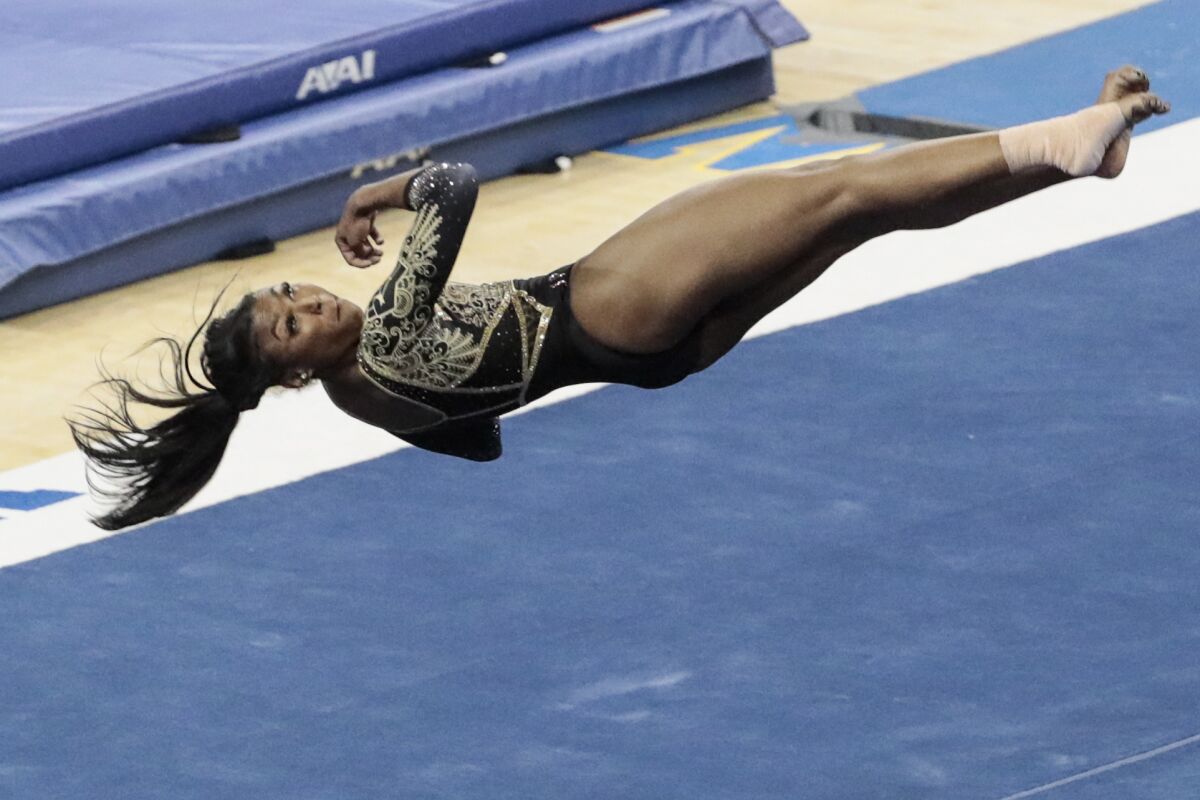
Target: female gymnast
{"type": "Point", "coordinates": [436, 362]}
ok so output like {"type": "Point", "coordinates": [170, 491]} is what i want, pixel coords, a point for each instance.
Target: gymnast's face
{"type": "Point", "coordinates": [306, 329]}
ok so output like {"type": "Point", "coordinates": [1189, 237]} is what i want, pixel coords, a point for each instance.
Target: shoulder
{"type": "Point", "coordinates": [355, 394]}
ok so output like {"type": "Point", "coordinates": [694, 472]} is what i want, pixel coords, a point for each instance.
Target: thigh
{"type": "Point", "coordinates": [649, 285]}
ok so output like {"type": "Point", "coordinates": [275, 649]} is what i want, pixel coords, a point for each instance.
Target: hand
{"type": "Point", "coordinates": [357, 237]}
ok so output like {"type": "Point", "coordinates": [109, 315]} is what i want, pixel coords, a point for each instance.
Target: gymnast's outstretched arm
{"type": "Point", "coordinates": [443, 195]}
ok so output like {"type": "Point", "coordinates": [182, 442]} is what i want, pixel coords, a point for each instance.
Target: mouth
{"type": "Point", "coordinates": [337, 305]}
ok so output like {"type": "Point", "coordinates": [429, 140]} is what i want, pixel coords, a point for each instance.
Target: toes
{"type": "Point", "coordinates": [1156, 105]}
{"type": "Point", "coordinates": [1133, 78]}
{"type": "Point", "coordinates": [1122, 82]}
{"type": "Point", "coordinates": [1138, 107]}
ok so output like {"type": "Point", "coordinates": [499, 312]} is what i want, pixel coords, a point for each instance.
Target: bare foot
{"type": "Point", "coordinates": [1118, 85]}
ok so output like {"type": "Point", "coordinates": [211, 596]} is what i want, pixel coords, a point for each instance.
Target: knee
{"type": "Point", "coordinates": [859, 189]}
{"type": "Point", "coordinates": [863, 201]}
{"type": "Point", "coordinates": [841, 189]}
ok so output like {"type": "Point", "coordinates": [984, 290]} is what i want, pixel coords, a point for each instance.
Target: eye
{"type": "Point", "coordinates": [288, 290]}
{"type": "Point", "coordinates": [292, 326]}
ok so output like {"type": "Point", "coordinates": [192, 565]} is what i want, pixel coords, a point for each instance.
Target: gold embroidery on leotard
{"type": "Point", "coordinates": [538, 338]}
{"type": "Point", "coordinates": [447, 351]}
{"type": "Point", "coordinates": [474, 305]}
{"type": "Point", "coordinates": [423, 334]}
{"type": "Point", "coordinates": [395, 319]}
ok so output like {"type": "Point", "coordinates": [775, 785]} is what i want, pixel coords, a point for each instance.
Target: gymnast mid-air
{"type": "Point", "coordinates": [436, 362]}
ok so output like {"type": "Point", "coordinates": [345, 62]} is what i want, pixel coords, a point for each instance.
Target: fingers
{"type": "Point", "coordinates": [358, 255]}
{"type": "Point", "coordinates": [351, 257]}
{"type": "Point", "coordinates": [354, 241]}
{"type": "Point", "coordinates": [365, 249]}
{"type": "Point", "coordinates": [364, 258]}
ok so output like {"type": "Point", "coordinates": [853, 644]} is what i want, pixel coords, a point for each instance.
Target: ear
{"type": "Point", "coordinates": [294, 379]}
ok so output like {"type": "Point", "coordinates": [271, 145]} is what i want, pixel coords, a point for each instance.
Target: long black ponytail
{"type": "Point", "coordinates": [150, 471]}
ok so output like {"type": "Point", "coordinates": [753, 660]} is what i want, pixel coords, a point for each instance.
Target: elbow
{"type": "Point", "coordinates": [444, 183]}
{"type": "Point", "coordinates": [459, 172]}
{"type": "Point", "coordinates": [466, 176]}
{"type": "Point", "coordinates": [468, 172]}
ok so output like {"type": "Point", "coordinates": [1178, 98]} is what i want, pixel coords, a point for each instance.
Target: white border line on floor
{"type": "Point", "coordinates": [1124, 762]}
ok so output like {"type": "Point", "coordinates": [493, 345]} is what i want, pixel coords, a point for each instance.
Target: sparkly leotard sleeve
{"type": "Point", "coordinates": [466, 352]}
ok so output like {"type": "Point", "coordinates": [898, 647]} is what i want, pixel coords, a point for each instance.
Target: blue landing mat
{"type": "Point", "coordinates": [1059, 74]}
{"type": "Point", "coordinates": [943, 548]}
{"type": "Point", "coordinates": [125, 75]}
{"type": "Point", "coordinates": [290, 173]}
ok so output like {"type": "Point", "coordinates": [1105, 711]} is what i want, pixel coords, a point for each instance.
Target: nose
{"type": "Point", "coordinates": [320, 303]}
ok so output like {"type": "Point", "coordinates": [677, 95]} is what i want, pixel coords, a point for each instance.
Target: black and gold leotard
{"type": "Point", "coordinates": [470, 353]}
